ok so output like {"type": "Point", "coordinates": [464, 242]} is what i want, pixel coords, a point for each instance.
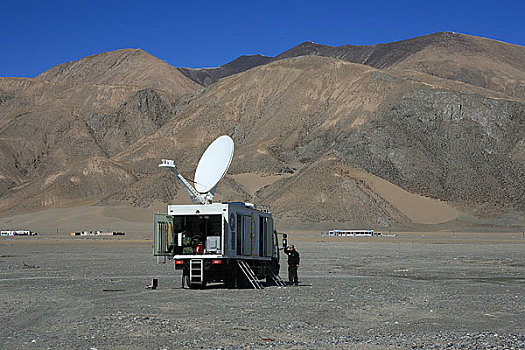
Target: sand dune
{"type": "Point", "coordinates": [420, 209]}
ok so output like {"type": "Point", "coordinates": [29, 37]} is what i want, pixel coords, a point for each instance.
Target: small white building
{"type": "Point", "coordinates": [17, 233]}
{"type": "Point", "coordinates": [353, 233]}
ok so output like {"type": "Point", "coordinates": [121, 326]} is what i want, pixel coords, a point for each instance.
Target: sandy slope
{"type": "Point", "coordinates": [420, 209]}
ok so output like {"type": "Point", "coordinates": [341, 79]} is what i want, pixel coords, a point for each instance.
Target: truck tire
{"type": "Point", "coordinates": [230, 282]}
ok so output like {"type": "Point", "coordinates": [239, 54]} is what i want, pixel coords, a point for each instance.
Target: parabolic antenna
{"type": "Point", "coordinates": [213, 164]}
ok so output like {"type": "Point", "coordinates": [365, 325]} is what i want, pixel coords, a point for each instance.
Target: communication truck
{"type": "Point", "coordinates": [230, 242]}
{"type": "Point", "coordinates": [216, 242]}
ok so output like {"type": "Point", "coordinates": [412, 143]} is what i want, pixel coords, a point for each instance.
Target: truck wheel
{"type": "Point", "coordinates": [229, 282]}
{"type": "Point", "coordinates": [242, 282]}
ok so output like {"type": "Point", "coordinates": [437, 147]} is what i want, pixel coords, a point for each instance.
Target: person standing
{"type": "Point", "coordinates": [293, 264]}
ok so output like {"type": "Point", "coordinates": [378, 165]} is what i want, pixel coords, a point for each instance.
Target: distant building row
{"type": "Point", "coordinates": [351, 233]}
{"type": "Point", "coordinates": [97, 233]}
{"type": "Point", "coordinates": [17, 233]}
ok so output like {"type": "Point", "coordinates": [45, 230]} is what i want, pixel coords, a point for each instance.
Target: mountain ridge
{"type": "Point", "coordinates": [128, 67]}
{"type": "Point", "coordinates": [93, 131]}
{"type": "Point", "coordinates": [460, 50]}
{"type": "Point", "coordinates": [300, 142]}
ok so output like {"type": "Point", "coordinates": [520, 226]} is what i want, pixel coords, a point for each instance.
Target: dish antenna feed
{"type": "Point", "coordinates": [212, 167]}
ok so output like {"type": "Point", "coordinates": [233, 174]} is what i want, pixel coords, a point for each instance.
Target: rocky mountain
{"type": "Point", "coordinates": [127, 67]}
{"type": "Point", "coordinates": [323, 140]}
{"type": "Point", "coordinates": [59, 130]}
{"type": "Point", "coordinates": [207, 76]}
{"type": "Point", "coordinates": [476, 61]}
{"type": "Point", "coordinates": [307, 112]}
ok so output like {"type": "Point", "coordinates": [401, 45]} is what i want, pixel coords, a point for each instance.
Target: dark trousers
{"type": "Point", "coordinates": [292, 274]}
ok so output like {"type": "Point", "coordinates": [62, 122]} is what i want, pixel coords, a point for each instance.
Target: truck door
{"type": "Point", "coordinates": [246, 234]}
{"type": "Point", "coordinates": [163, 235]}
{"type": "Point", "coordinates": [269, 237]}
{"type": "Point", "coordinates": [249, 234]}
{"type": "Point", "coordinates": [265, 236]}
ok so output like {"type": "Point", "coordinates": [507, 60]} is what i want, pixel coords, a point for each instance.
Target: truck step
{"type": "Point", "coordinates": [197, 271]}
{"type": "Point", "coordinates": [248, 272]}
{"type": "Point", "coordinates": [276, 278]}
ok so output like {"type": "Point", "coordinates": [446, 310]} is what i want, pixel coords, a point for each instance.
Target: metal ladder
{"type": "Point", "coordinates": [276, 278]}
{"type": "Point", "coordinates": [196, 271]}
{"type": "Point", "coordinates": [248, 272]}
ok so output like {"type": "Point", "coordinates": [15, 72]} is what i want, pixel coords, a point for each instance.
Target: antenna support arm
{"type": "Point", "coordinates": [195, 196]}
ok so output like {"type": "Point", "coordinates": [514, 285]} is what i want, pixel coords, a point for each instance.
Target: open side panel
{"type": "Point", "coordinates": [163, 235]}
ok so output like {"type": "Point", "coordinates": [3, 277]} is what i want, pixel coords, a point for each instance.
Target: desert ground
{"type": "Point", "coordinates": [417, 290]}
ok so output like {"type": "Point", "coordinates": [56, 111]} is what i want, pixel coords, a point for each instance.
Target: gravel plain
{"type": "Point", "coordinates": [381, 293]}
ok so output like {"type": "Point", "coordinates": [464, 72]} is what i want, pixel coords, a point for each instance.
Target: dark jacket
{"type": "Point", "coordinates": [293, 257]}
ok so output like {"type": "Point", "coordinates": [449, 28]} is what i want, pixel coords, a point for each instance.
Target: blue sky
{"type": "Point", "coordinates": [37, 35]}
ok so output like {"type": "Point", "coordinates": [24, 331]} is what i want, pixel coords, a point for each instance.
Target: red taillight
{"type": "Point", "coordinates": [179, 262]}
{"type": "Point", "coordinates": [216, 261]}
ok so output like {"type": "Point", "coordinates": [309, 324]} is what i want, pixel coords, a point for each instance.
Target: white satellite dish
{"type": "Point", "coordinates": [212, 167]}
{"type": "Point", "coordinates": [213, 164]}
